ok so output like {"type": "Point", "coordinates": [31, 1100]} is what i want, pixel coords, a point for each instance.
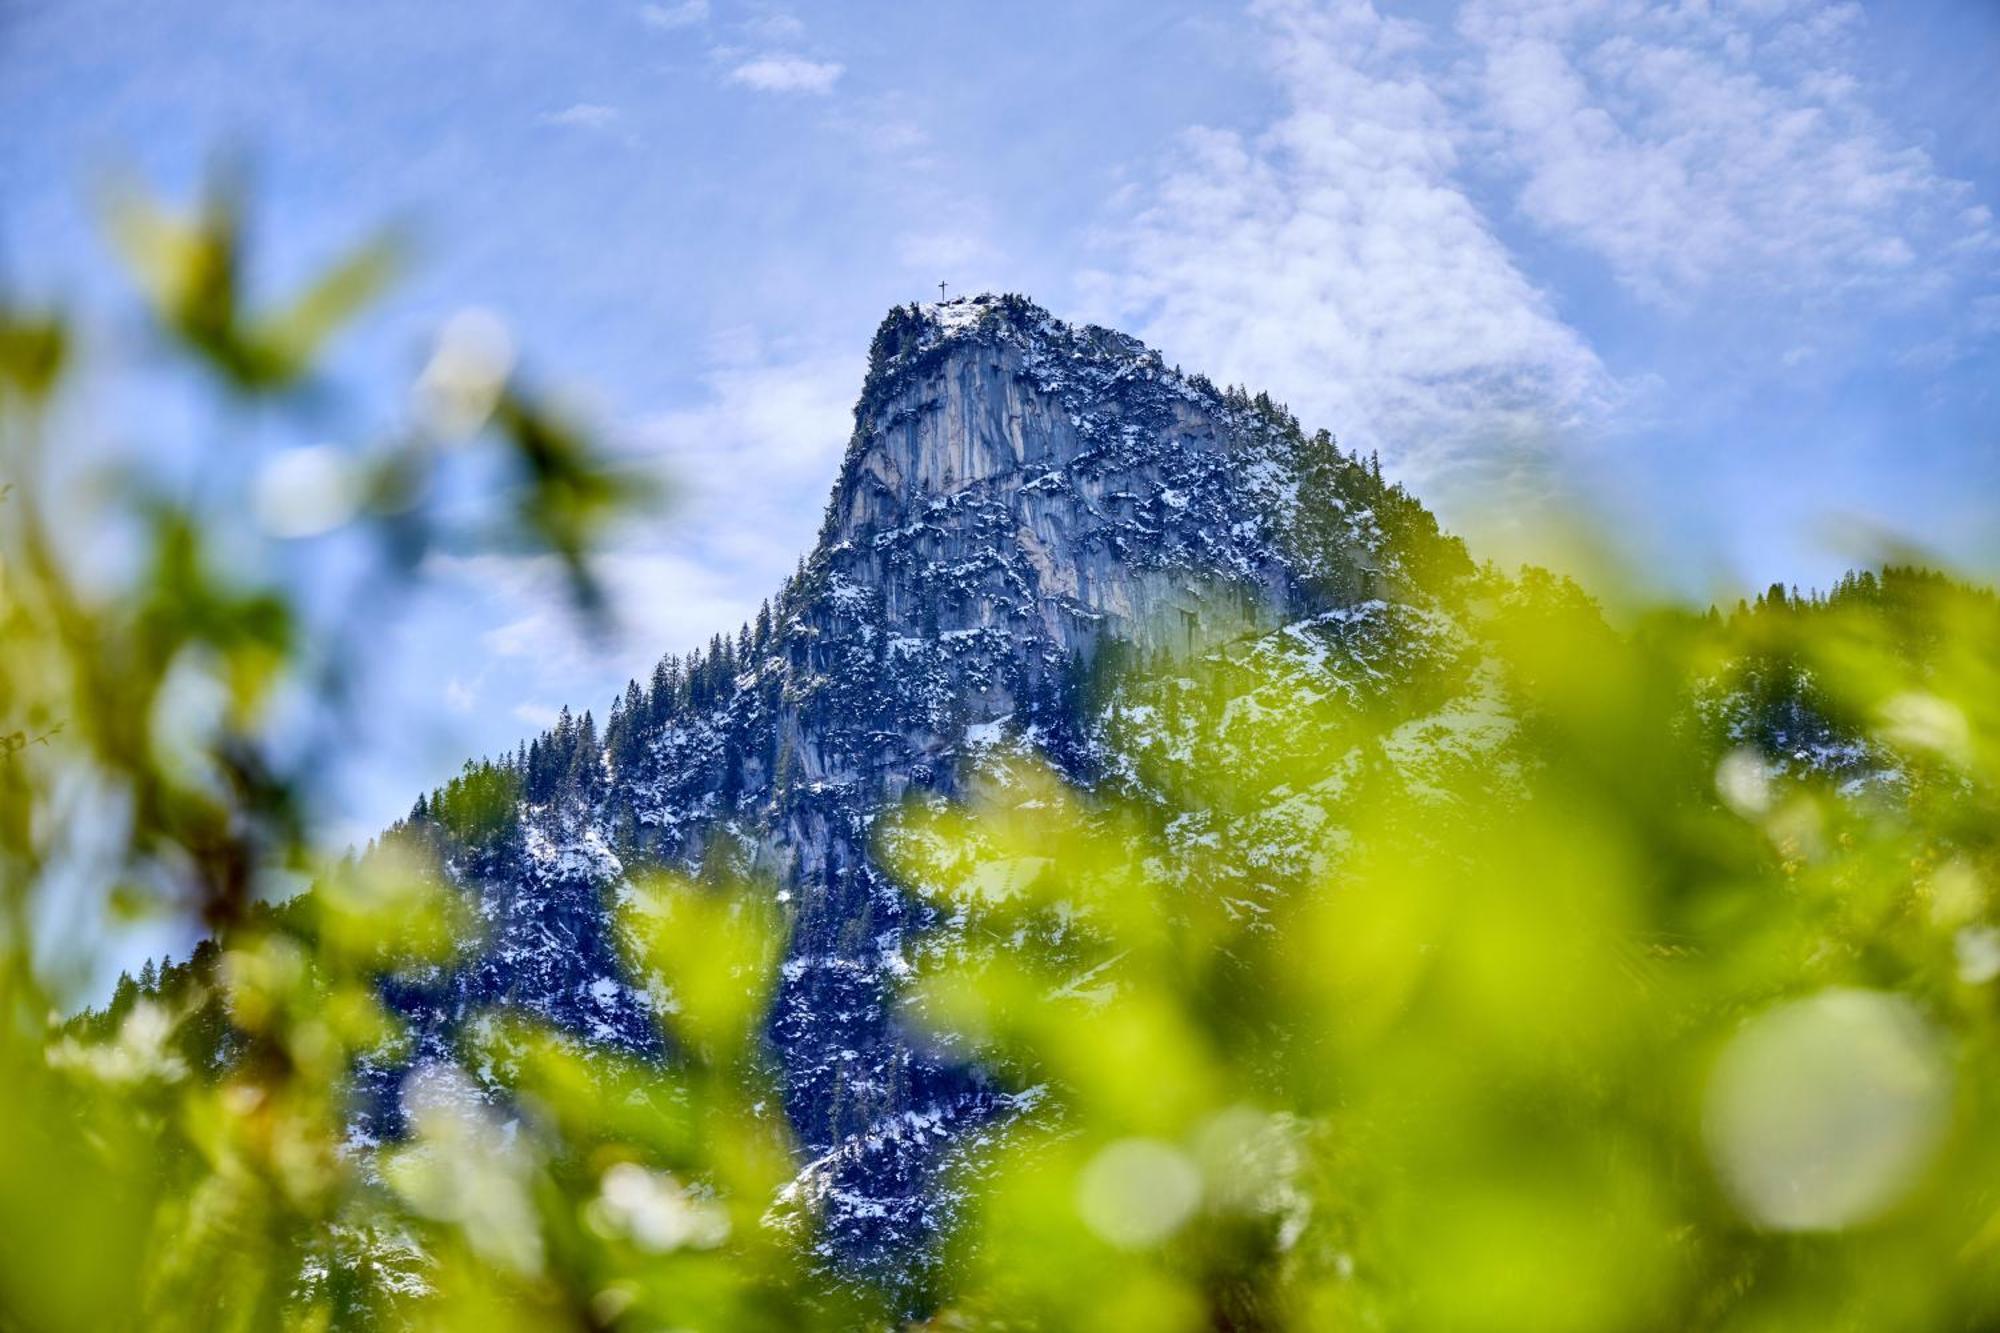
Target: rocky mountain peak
{"type": "Point", "coordinates": [970, 365]}
{"type": "Point", "coordinates": [1019, 493]}
{"type": "Point", "coordinates": [909, 337]}
{"type": "Point", "coordinates": [1009, 468]}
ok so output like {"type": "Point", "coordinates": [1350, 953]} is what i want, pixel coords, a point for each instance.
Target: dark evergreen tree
{"type": "Point", "coordinates": [123, 996]}
{"type": "Point", "coordinates": [585, 761]}
{"type": "Point", "coordinates": [537, 776]}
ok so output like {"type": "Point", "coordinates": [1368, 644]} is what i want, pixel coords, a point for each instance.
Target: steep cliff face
{"type": "Point", "coordinates": [1022, 502]}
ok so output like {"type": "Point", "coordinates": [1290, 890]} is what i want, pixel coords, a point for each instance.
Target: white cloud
{"type": "Point", "coordinates": [756, 460]}
{"type": "Point", "coordinates": [1688, 145]}
{"type": "Point", "coordinates": [581, 116]}
{"type": "Point", "coordinates": [460, 697]}
{"type": "Point", "coordinates": [943, 221]}
{"type": "Point", "coordinates": [946, 250]}
{"type": "Point", "coordinates": [775, 28]}
{"type": "Point", "coordinates": [670, 16]}
{"type": "Point", "coordinates": [753, 463]}
{"type": "Point", "coordinates": [660, 599]}
{"type": "Point", "coordinates": [1334, 259]}
{"type": "Point", "coordinates": [902, 140]}
{"type": "Point", "coordinates": [1985, 315]}
{"type": "Point", "coordinates": [540, 716]}
{"type": "Point", "coordinates": [787, 74]}
{"type": "Point", "coordinates": [786, 417]}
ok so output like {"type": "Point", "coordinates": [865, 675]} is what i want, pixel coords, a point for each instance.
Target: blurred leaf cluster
{"type": "Point", "coordinates": [1661, 995]}
{"type": "Point", "coordinates": [1633, 979]}
{"type": "Point", "coordinates": [183, 1157]}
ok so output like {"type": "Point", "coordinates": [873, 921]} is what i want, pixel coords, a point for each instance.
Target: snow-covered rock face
{"type": "Point", "coordinates": [1019, 495]}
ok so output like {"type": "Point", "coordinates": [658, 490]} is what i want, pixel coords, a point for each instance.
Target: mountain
{"type": "Point", "coordinates": [1026, 506]}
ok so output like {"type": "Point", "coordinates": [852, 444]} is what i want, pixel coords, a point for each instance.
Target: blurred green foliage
{"type": "Point", "coordinates": [1641, 978]}
{"type": "Point", "coordinates": [1666, 1003]}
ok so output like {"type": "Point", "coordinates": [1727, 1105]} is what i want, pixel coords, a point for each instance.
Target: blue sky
{"type": "Point", "coordinates": [1729, 269]}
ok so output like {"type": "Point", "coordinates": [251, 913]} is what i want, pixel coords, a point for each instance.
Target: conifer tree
{"type": "Point", "coordinates": [666, 687]}
{"type": "Point", "coordinates": [537, 777]}
{"type": "Point", "coordinates": [584, 760]}
{"type": "Point", "coordinates": [123, 996]}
